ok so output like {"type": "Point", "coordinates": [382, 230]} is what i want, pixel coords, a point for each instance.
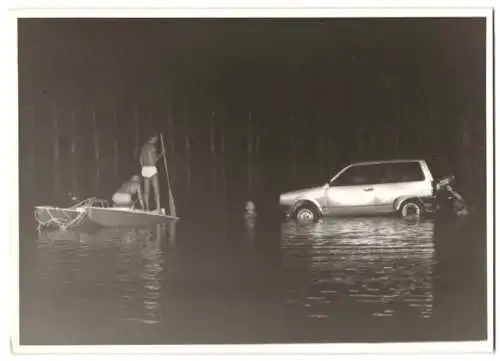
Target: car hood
{"type": "Point", "coordinates": [313, 192]}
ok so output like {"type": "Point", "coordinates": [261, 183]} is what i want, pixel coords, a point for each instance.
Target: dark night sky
{"type": "Point", "coordinates": [381, 77]}
{"type": "Point", "coordinates": [321, 62]}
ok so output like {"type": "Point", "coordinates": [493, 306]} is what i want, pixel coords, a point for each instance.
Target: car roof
{"type": "Point", "coordinates": [388, 161]}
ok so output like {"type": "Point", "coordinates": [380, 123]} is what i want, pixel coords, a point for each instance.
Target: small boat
{"type": "Point", "coordinates": [97, 212]}
{"type": "Point", "coordinates": [100, 216]}
{"type": "Point", "coordinates": [126, 217]}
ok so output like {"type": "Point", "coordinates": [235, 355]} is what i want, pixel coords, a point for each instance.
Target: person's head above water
{"type": "Point", "coordinates": [250, 207]}
{"type": "Point", "coordinates": [153, 138]}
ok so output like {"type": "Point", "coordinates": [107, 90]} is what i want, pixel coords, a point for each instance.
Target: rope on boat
{"type": "Point", "coordinates": [64, 219]}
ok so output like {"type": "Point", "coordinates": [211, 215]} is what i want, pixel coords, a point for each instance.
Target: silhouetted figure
{"type": "Point", "coordinates": [148, 160]}
{"type": "Point", "coordinates": [449, 203]}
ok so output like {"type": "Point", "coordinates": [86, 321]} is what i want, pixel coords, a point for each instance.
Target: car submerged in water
{"type": "Point", "coordinates": [403, 187]}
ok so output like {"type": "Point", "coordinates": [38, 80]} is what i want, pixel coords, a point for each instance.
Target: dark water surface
{"type": "Point", "coordinates": [217, 277]}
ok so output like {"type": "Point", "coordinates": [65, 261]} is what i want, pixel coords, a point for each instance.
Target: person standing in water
{"type": "Point", "coordinates": [148, 160]}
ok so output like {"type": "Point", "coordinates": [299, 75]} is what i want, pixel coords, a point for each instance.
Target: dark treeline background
{"type": "Point", "coordinates": [248, 106]}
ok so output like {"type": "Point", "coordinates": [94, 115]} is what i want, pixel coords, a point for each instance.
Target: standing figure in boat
{"type": "Point", "coordinates": [148, 160]}
{"type": "Point", "coordinates": [124, 196]}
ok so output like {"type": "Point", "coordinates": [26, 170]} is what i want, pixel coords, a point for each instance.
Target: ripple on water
{"type": "Point", "coordinates": [114, 271]}
{"type": "Point", "coordinates": [372, 261]}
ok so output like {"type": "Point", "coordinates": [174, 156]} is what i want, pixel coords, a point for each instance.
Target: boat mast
{"type": "Point", "coordinates": [171, 203]}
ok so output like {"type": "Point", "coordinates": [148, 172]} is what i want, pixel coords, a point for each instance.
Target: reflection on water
{"type": "Point", "coordinates": [123, 269]}
{"type": "Point", "coordinates": [368, 266]}
{"type": "Point", "coordinates": [235, 278]}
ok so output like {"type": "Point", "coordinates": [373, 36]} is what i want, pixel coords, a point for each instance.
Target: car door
{"type": "Point", "coordinates": [352, 191]}
{"type": "Point", "coordinates": [399, 179]}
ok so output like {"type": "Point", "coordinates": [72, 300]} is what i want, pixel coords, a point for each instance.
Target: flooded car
{"type": "Point", "coordinates": [403, 187]}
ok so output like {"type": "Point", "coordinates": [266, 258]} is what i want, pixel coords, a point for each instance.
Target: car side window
{"type": "Point", "coordinates": [359, 175]}
{"type": "Point", "coordinates": [402, 172]}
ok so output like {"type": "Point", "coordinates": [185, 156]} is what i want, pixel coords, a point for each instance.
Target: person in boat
{"type": "Point", "coordinates": [148, 159]}
{"type": "Point", "coordinates": [124, 196]}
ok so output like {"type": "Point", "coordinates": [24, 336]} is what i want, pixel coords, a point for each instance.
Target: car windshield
{"type": "Point", "coordinates": [358, 175]}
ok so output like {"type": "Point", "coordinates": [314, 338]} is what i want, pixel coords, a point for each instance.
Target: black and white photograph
{"type": "Point", "coordinates": [315, 177]}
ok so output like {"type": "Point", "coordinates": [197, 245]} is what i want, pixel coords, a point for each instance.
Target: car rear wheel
{"type": "Point", "coordinates": [411, 209]}
{"type": "Point", "coordinates": [306, 213]}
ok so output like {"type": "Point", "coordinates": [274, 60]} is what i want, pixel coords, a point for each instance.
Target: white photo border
{"type": "Point", "coordinates": [400, 348]}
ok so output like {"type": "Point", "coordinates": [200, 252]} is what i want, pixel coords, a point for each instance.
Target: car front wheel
{"type": "Point", "coordinates": [306, 213]}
